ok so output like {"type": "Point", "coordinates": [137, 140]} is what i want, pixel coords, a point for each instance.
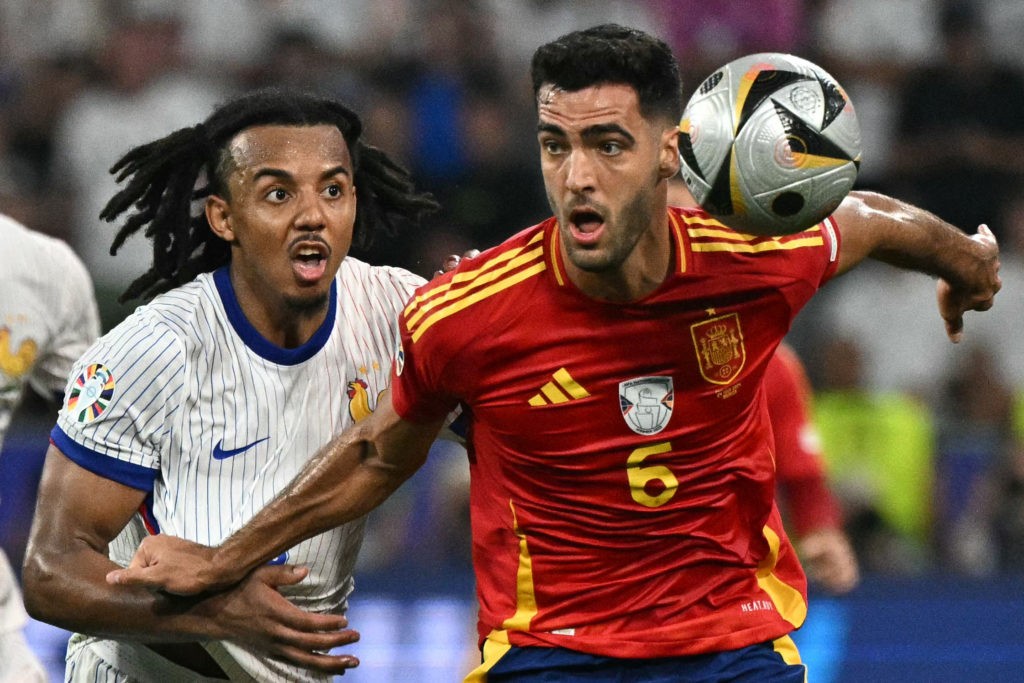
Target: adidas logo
{"type": "Point", "coordinates": [561, 389]}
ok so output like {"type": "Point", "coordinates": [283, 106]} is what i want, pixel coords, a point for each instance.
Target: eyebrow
{"type": "Point", "coordinates": [590, 132]}
{"type": "Point", "coordinates": [285, 175]}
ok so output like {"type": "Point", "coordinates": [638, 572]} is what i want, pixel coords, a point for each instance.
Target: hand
{"type": "Point", "coordinates": [452, 261]}
{"type": "Point", "coordinates": [955, 300]}
{"type": "Point", "coordinates": [255, 614]}
{"type": "Point", "coordinates": [829, 560]}
{"type": "Point", "coordinates": [172, 564]}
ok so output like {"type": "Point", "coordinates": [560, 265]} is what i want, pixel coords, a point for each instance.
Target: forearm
{"type": "Point", "coordinates": [889, 230]}
{"type": "Point", "coordinates": [64, 585]}
{"type": "Point", "coordinates": [343, 481]}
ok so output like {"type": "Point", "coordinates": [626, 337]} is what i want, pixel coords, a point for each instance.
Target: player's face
{"type": "Point", "coordinates": [605, 168]}
{"type": "Point", "coordinates": [289, 217]}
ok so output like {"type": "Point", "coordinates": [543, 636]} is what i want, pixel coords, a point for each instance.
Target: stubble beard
{"type": "Point", "coordinates": [634, 220]}
{"type": "Point", "coordinates": [307, 307]}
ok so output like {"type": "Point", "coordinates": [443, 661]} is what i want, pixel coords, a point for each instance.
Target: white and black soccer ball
{"type": "Point", "coordinates": [769, 144]}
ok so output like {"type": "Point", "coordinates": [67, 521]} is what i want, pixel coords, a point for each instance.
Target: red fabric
{"type": "Point", "coordinates": [574, 544]}
{"type": "Point", "coordinates": [808, 502]}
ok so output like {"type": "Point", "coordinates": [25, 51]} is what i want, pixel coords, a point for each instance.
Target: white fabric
{"type": "Point", "coordinates": [187, 383]}
{"type": "Point", "coordinates": [48, 317]}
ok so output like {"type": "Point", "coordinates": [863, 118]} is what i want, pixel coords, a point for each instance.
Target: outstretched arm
{"type": "Point", "coordinates": [78, 513]}
{"type": "Point", "coordinates": [889, 230]}
{"type": "Point", "coordinates": [351, 475]}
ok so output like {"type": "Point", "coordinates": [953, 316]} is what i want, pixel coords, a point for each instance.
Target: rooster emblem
{"type": "Point", "coordinates": [359, 400]}
{"type": "Point", "coordinates": [15, 363]}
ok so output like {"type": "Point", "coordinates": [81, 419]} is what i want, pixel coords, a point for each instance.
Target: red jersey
{"type": "Point", "coordinates": [808, 503]}
{"type": "Point", "coordinates": [622, 470]}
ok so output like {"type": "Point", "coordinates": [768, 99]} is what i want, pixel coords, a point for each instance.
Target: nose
{"type": "Point", "coordinates": [579, 175]}
{"type": "Point", "coordinates": [310, 212]}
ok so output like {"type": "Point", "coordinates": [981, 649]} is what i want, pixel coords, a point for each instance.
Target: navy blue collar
{"type": "Point", "coordinates": [257, 342]}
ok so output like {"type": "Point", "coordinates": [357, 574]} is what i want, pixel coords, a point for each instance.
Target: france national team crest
{"type": "Point", "coordinates": [646, 403]}
{"type": "Point", "coordinates": [91, 393]}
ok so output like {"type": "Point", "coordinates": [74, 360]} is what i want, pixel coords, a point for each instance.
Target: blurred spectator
{"type": "Point", "coordinates": [705, 35]}
{"type": "Point", "coordinates": [879, 448]}
{"type": "Point", "coordinates": [30, 190]}
{"type": "Point", "coordinates": [31, 30]}
{"type": "Point", "coordinates": [141, 95]}
{"type": "Point", "coordinates": [964, 111]}
{"type": "Point", "coordinates": [870, 46]}
{"type": "Point", "coordinates": [974, 439]}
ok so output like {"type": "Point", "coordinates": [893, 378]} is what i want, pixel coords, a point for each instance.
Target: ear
{"type": "Point", "coordinates": [218, 215]}
{"type": "Point", "coordinates": [668, 162]}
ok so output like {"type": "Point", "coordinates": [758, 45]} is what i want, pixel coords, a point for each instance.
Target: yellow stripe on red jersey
{"type": "Point", "coordinates": [621, 468]}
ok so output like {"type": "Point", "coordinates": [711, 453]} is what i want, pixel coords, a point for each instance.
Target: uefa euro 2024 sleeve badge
{"type": "Point", "coordinates": [91, 393]}
{"type": "Point", "coordinates": [646, 403]}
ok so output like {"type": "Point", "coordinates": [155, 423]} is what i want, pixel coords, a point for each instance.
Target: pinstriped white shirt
{"type": "Point", "coordinates": [186, 401]}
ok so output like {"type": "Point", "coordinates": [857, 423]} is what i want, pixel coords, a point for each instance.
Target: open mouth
{"type": "Point", "coordinates": [586, 225]}
{"type": "Point", "coordinates": [309, 260]}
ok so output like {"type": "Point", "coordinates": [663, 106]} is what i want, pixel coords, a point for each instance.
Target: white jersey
{"type": "Point", "coordinates": [187, 401]}
{"type": "Point", "coordinates": [48, 315]}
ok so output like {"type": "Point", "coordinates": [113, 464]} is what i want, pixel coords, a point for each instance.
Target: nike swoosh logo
{"type": "Point", "coordinates": [221, 454]}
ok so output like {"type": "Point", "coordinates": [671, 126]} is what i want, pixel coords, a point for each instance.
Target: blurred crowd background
{"type": "Point", "coordinates": [924, 439]}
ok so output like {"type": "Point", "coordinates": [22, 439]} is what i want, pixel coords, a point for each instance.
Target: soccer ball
{"type": "Point", "coordinates": [769, 144]}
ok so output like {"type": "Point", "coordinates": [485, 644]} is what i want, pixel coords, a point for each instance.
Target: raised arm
{"type": "Point", "coordinates": [344, 480]}
{"type": "Point", "coordinates": [78, 513]}
{"type": "Point", "coordinates": [889, 230]}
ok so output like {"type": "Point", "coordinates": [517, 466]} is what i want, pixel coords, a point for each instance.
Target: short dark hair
{"type": "Point", "coordinates": [610, 53]}
{"type": "Point", "coordinates": [164, 178]}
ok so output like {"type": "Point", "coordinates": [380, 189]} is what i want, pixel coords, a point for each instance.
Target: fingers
{"type": "Point", "coordinates": [135, 576]}
{"type": "Point", "coordinates": [452, 261]}
{"type": "Point", "coordinates": [281, 575]}
{"type": "Point", "coordinates": [985, 235]}
{"type": "Point", "coordinates": [322, 641]}
{"type": "Point", "coordinates": [316, 661]}
{"type": "Point", "coordinates": [955, 328]}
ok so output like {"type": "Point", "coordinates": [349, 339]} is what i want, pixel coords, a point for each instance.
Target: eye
{"type": "Point", "coordinates": [333, 191]}
{"type": "Point", "coordinates": [277, 195]}
{"type": "Point", "coordinates": [551, 146]}
{"type": "Point", "coordinates": [611, 148]}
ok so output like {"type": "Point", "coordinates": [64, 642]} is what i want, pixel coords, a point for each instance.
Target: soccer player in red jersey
{"type": "Point", "coordinates": [807, 504]}
{"type": "Point", "coordinates": [611, 359]}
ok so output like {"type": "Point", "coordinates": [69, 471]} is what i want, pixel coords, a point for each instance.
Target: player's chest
{"type": "Point", "coordinates": [676, 368]}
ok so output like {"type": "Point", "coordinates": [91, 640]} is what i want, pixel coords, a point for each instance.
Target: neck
{"type": "Point", "coordinates": [281, 320]}
{"type": "Point", "coordinates": [642, 272]}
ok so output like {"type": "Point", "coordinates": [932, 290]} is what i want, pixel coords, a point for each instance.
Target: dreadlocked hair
{"type": "Point", "coordinates": [162, 180]}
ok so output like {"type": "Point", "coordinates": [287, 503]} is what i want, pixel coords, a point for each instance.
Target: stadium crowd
{"type": "Point", "coordinates": [924, 440]}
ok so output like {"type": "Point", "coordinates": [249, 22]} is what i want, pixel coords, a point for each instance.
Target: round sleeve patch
{"type": "Point", "coordinates": [91, 393]}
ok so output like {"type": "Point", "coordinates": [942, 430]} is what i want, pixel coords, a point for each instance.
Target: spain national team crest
{"type": "Point", "coordinates": [719, 346]}
{"type": "Point", "coordinates": [646, 403]}
{"type": "Point", "coordinates": [91, 393]}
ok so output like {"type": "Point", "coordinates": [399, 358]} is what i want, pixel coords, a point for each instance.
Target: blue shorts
{"type": "Point", "coordinates": [776, 662]}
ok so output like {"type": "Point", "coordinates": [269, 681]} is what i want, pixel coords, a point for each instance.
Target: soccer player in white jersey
{"type": "Point", "coordinates": [264, 339]}
{"type": "Point", "coordinates": [48, 317]}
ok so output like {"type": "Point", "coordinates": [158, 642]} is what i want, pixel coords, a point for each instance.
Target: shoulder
{"type": "Point", "coordinates": [37, 255]}
{"type": "Point", "coordinates": [183, 314]}
{"type": "Point", "coordinates": [357, 276]}
{"type": "Point", "coordinates": [715, 245]}
{"type": "Point", "coordinates": [496, 276]}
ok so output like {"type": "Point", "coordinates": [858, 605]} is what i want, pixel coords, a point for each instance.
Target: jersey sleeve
{"type": "Point", "coordinates": [75, 326]}
{"type": "Point", "coordinates": [418, 383]}
{"type": "Point", "coordinates": [119, 402]}
{"type": "Point", "coordinates": [800, 472]}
